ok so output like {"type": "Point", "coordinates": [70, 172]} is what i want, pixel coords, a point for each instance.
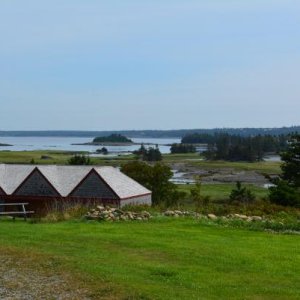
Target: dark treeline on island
{"type": "Point", "coordinates": [238, 148]}
{"type": "Point", "coordinates": [223, 146]}
{"type": "Point", "coordinates": [153, 133]}
{"type": "Point", "coordinates": [113, 138]}
{"type": "Point", "coordinates": [182, 148]}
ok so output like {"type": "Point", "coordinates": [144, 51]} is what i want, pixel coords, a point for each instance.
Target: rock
{"type": "Point", "coordinates": [169, 213]}
{"type": "Point", "coordinates": [212, 217]}
{"type": "Point", "coordinates": [242, 217]}
{"type": "Point", "coordinates": [257, 218]}
{"type": "Point", "coordinates": [115, 214]}
{"type": "Point", "coordinates": [178, 212]}
{"type": "Point", "coordinates": [146, 214]}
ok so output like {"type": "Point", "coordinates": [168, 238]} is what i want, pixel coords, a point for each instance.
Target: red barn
{"type": "Point", "coordinates": [44, 185]}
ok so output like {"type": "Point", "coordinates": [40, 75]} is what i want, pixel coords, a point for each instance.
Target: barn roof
{"type": "Point", "coordinates": [11, 176]}
{"type": "Point", "coordinates": [65, 178]}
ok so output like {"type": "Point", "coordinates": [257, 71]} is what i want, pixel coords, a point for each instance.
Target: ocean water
{"type": "Point", "coordinates": [67, 144]}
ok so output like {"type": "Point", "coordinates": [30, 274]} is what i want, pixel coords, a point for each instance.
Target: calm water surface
{"type": "Point", "coordinates": [65, 143]}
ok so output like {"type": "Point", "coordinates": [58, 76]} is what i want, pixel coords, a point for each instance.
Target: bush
{"type": "Point", "coordinates": [241, 194]}
{"type": "Point", "coordinates": [79, 160]}
{"type": "Point", "coordinates": [284, 194]}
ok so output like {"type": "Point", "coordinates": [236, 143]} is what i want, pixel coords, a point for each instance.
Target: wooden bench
{"type": "Point", "coordinates": [16, 213]}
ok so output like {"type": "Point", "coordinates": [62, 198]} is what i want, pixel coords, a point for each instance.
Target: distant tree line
{"type": "Point", "coordinates": [238, 148]}
{"type": "Point", "coordinates": [182, 148]}
{"type": "Point", "coordinates": [156, 133]}
{"type": "Point", "coordinates": [199, 138]}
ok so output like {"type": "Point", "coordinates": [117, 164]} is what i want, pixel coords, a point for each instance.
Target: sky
{"type": "Point", "coordinates": [159, 64]}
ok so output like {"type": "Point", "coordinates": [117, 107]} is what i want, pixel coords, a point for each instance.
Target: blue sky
{"type": "Point", "coordinates": [160, 64]}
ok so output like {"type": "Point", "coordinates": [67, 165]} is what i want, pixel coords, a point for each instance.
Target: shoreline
{"type": "Point", "coordinates": [116, 144]}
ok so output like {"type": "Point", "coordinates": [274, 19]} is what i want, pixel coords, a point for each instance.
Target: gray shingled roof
{"type": "Point", "coordinates": [11, 176]}
{"type": "Point", "coordinates": [66, 178]}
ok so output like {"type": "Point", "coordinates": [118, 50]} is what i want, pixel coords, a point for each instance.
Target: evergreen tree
{"type": "Point", "coordinates": [291, 159]}
{"type": "Point", "coordinates": [287, 187]}
{"type": "Point", "coordinates": [241, 194]}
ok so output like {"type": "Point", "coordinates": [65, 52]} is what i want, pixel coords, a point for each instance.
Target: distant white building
{"type": "Point", "coordinates": [42, 184]}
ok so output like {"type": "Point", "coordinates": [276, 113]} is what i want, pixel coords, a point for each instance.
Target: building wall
{"type": "Point", "coordinates": [146, 199]}
{"type": "Point", "coordinates": [36, 185]}
{"type": "Point", "coordinates": [93, 187]}
{"type": "Point", "coordinates": [43, 205]}
{"type": "Point", "coordinates": [1, 199]}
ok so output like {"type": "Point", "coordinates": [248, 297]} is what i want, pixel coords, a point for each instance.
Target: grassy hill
{"type": "Point", "coordinates": [159, 259]}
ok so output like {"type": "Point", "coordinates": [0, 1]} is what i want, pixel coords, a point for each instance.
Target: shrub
{"type": "Point", "coordinates": [241, 194]}
{"type": "Point", "coordinates": [284, 194]}
{"type": "Point", "coordinates": [79, 160]}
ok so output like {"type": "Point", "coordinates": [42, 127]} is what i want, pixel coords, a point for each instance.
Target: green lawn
{"type": "Point", "coordinates": [163, 258]}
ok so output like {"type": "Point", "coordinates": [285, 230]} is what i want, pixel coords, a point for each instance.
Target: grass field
{"type": "Point", "coordinates": [55, 157]}
{"type": "Point", "coordinates": [160, 259]}
{"type": "Point", "coordinates": [61, 157]}
{"type": "Point", "coordinates": [222, 191]}
{"type": "Point", "coordinates": [196, 160]}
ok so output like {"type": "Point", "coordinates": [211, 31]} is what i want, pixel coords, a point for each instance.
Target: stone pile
{"type": "Point", "coordinates": [101, 213]}
{"type": "Point", "coordinates": [177, 213]}
{"type": "Point", "coordinates": [236, 216]}
{"type": "Point", "coordinates": [245, 218]}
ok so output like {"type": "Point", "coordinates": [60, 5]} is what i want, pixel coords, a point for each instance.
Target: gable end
{"type": "Point", "coordinates": [36, 184]}
{"type": "Point", "coordinates": [93, 186]}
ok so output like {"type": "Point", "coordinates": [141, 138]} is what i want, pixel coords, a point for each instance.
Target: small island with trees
{"type": "Point", "coordinates": [111, 140]}
{"type": "Point", "coordinates": [5, 145]}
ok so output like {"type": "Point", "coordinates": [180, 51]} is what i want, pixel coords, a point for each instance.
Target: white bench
{"type": "Point", "coordinates": [15, 213]}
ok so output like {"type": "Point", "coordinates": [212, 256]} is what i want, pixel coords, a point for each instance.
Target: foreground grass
{"type": "Point", "coordinates": [163, 258]}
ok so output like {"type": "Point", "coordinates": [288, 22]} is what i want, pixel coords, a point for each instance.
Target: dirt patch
{"type": "Point", "coordinates": [24, 280]}
{"type": "Point", "coordinates": [219, 175]}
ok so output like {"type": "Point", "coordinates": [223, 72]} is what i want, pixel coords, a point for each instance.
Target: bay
{"type": "Point", "coordinates": [67, 144]}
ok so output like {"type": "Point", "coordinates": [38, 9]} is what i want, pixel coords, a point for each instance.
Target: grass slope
{"type": "Point", "coordinates": [164, 258]}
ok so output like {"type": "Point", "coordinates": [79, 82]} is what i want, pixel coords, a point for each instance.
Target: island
{"type": "Point", "coordinates": [113, 138]}
{"type": "Point", "coordinates": [110, 140]}
{"type": "Point", "coordinates": [5, 145]}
